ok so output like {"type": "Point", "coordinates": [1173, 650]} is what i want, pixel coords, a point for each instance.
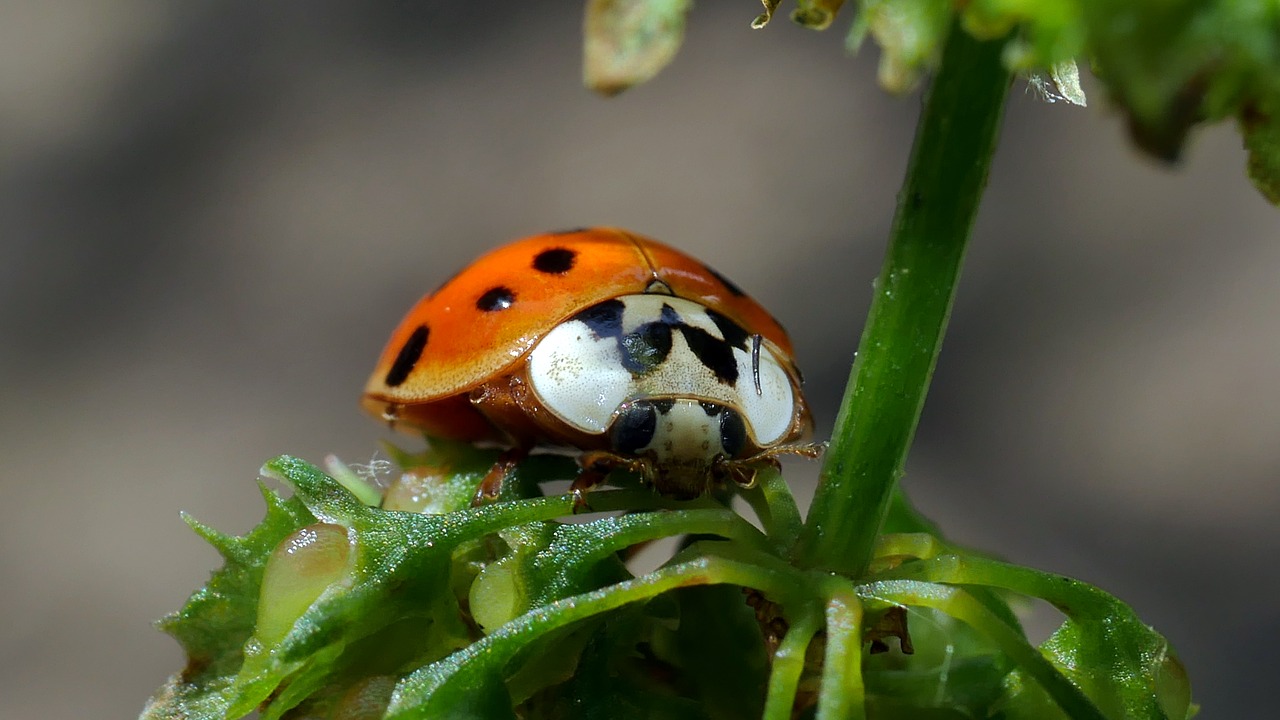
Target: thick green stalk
{"type": "Point", "coordinates": [955, 139]}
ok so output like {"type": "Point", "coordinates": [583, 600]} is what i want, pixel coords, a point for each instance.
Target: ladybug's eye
{"type": "Point", "coordinates": [733, 433]}
{"type": "Point", "coordinates": [634, 427]}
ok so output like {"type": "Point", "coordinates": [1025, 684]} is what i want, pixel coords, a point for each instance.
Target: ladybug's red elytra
{"type": "Point", "coordinates": [602, 340]}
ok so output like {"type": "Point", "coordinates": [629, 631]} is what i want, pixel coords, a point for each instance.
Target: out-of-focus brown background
{"type": "Point", "coordinates": [212, 214]}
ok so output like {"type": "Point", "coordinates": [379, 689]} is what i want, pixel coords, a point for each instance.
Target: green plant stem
{"type": "Point", "coordinates": [947, 173]}
{"type": "Point", "coordinates": [842, 696]}
{"type": "Point", "coordinates": [772, 502]}
{"type": "Point", "coordinates": [788, 665]}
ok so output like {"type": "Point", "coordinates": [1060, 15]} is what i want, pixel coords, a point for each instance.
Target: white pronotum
{"type": "Point", "coordinates": [658, 346]}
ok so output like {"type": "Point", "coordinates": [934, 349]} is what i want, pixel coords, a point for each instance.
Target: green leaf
{"type": "Point", "coordinates": [910, 34]}
{"type": "Point", "coordinates": [214, 624]}
{"type": "Point", "coordinates": [953, 668]}
{"type": "Point", "coordinates": [315, 609]}
{"type": "Point", "coordinates": [815, 14]}
{"type": "Point", "coordinates": [618, 678]}
{"type": "Point", "coordinates": [770, 7]}
{"type": "Point", "coordinates": [1260, 124]}
{"type": "Point", "coordinates": [401, 570]}
{"type": "Point", "coordinates": [261, 626]}
{"type": "Point", "coordinates": [629, 41]}
{"type": "Point", "coordinates": [548, 561]}
{"type": "Point", "coordinates": [1123, 666]}
{"type": "Point", "coordinates": [1168, 65]}
{"type": "Point", "coordinates": [959, 604]}
{"type": "Point", "coordinates": [719, 651]}
{"type": "Point", "coordinates": [433, 690]}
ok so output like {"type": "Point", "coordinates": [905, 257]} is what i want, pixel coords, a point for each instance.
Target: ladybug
{"type": "Point", "coordinates": [604, 341]}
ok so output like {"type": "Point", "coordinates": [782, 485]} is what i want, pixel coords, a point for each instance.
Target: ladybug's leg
{"type": "Point", "coordinates": [596, 466]}
{"type": "Point", "coordinates": [586, 480]}
{"type": "Point", "coordinates": [812, 451]}
{"type": "Point", "coordinates": [491, 486]}
{"type": "Point", "coordinates": [743, 472]}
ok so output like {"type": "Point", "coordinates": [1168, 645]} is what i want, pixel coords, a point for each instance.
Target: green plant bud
{"type": "Point", "coordinates": [300, 568]}
{"type": "Point", "coordinates": [495, 596]}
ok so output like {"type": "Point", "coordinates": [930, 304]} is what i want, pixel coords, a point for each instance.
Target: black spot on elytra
{"type": "Point", "coordinates": [494, 299]}
{"type": "Point", "coordinates": [554, 261]}
{"type": "Point", "coordinates": [409, 354]}
{"type": "Point", "coordinates": [733, 433]}
{"type": "Point", "coordinates": [713, 352]}
{"type": "Point", "coordinates": [732, 331]}
{"type": "Point", "coordinates": [732, 287]}
{"type": "Point", "coordinates": [634, 427]}
{"type": "Point", "coordinates": [604, 319]}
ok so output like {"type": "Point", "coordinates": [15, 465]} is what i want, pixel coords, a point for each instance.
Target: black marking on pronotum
{"type": "Point", "coordinates": [713, 352]}
{"type": "Point", "coordinates": [733, 433]}
{"type": "Point", "coordinates": [554, 261]}
{"type": "Point", "coordinates": [646, 348]}
{"type": "Point", "coordinates": [408, 356]}
{"type": "Point", "coordinates": [733, 288]}
{"type": "Point", "coordinates": [755, 363]}
{"type": "Point", "coordinates": [603, 319]}
{"type": "Point", "coordinates": [710, 408]}
{"type": "Point", "coordinates": [732, 331]}
{"type": "Point", "coordinates": [494, 299]}
{"type": "Point", "coordinates": [634, 427]}
{"type": "Point", "coordinates": [663, 405]}
{"type": "Point", "coordinates": [670, 316]}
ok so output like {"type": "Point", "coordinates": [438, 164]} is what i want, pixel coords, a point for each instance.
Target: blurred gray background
{"type": "Point", "coordinates": [212, 215]}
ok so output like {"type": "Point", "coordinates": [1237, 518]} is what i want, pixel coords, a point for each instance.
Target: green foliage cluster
{"type": "Point", "coordinates": [334, 609]}
{"type": "Point", "coordinates": [1168, 65]}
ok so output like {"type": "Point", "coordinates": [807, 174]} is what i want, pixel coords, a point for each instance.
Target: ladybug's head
{"type": "Point", "coordinates": [681, 444]}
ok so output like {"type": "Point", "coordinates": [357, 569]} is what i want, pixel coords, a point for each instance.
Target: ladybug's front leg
{"type": "Point", "coordinates": [596, 466]}
{"type": "Point", "coordinates": [491, 486]}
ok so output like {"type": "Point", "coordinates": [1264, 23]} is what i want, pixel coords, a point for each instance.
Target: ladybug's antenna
{"type": "Point", "coordinates": [755, 362]}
